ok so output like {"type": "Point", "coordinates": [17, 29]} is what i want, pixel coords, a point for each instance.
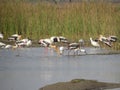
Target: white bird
{"type": "Point", "coordinates": [55, 39]}
{"type": "Point", "coordinates": [14, 37]}
{"type": "Point", "coordinates": [112, 38]}
{"type": "Point", "coordinates": [94, 43]}
{"type": "Point", "coordinates": [63, 39]}
{"type": "Point", "coordinates": [45, 42]}
{"type": "Point", "coordinates": [1, 35]}
{"type": "Point", "coordinates": [82, 42]}
{"type": "Point", "coordinates": [2, 44]}
{"type": "Point", "coordinates": [15, 46]}
{"type": "Point", "coordinates": [8, 46]}
{"type": "Point", "coordinates": [24, 42]}
{"type": "Point", "coordinates": [29, 43]}
{"type": "Point", "coordinates": [105, 40]}
{"type": "Point", "coordinates": [61, 50]}
{"type": "Point", "coordinates": [76, 47]}
{"type": "Point", "coordinates": [83, 50]}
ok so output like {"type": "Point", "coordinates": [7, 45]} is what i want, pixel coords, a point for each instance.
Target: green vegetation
{"type": "Point", "coordinates": [72, 20]}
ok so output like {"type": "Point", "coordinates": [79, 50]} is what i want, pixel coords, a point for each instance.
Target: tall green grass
{"type": "Point", "coordinates": [72, 20]}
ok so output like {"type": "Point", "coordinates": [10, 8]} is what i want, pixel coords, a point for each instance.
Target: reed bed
{"type": "Point", "coordinates": [72, 20]}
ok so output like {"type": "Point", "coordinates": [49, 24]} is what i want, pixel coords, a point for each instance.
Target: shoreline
{"type": "Point", "coordinates": [81, 84]}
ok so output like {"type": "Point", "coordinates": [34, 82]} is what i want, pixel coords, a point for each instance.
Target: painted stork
{"type": "Point", "coordinates": [45, 42]}
{"type": "Point", "coordinates": [61, 50]}
{"type": "Point", "coordinates": [55, 39]}
{"type": "Point", "coordinates": [94, 43]}
{"type": "Point", "coordinates": [1, 35]}
{"type": "Point", "coordinates": [8, 46]}
{"type": "Point", "coordinates": [76, 47]}
{"type": "Point", "coordinates": [14, 37]}
{"type": "Point", "coordinates": [24, 42]}
{"type": "Point", "coordinates": [63, 39]}
{"type": "Point", "coordinates": [29, 43]}
{"type": "Point", "coordinates": [2, 44]}
{"type": "Point", "coordinates": [105, 40]}
{"type": "Point", "coordinates": [15, 46]}
{"type": "Point", "coordinates": [112, 38]}
{"type": "Point", "coordinates": [82, 42]}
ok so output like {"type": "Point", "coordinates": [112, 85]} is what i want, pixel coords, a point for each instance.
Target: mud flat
{"type": "Point", "coordinates": [81, 84]}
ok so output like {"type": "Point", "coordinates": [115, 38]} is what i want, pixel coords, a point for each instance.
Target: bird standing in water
{"type": "Point", "coordinates": [76, 48]}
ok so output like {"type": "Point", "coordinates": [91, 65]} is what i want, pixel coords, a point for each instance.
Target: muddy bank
{"type": "Point", "coordinates": [81, 84]}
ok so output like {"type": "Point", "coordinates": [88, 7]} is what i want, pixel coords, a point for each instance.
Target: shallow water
{"type": "Point", "coordinates": [33, 68]}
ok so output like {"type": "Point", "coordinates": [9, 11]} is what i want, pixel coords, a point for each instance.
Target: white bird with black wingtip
{"type": "Point", "coordinates": [108, 40]}
{"type": "Point", "coordinates": [55, 39]}
{"type": "Point", "coordinates": [94, 43]}
{"type": "Point", "coordinates": [45, 42]}
{"type": "Point", "coordinates": [76, 48]}
{"type": "Point", "coordinates": [24, 42]}
{"type": "Point", "coordinates": [14, 37]}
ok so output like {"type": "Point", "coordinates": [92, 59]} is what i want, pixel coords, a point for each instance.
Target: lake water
{"type": "Point", "coordinates": [33, 68]}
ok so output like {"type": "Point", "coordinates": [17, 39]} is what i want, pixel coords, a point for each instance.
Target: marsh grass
{"type": "Point", "coordinates": [72, 20]}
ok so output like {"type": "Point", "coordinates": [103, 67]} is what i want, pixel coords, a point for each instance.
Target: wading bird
{"type": "Point", "coordinates": [14, 37]}
{"type": "Point", "coordinates": [1, 35]}
{"type": "Point", "coordinates": [94, 43]}
{"type": "Point", "coordinates": [105, 40]}
{"type": "Point", "coordinates": [61, 50]}
{"type": "Point", "coordinates": [112, 38]}
{"type": "Point", "coordinates": [8, 46]}
{"type": "Point", "coordinates": [55, 39]}
{"type": "Point", "coordinates": [24, 42]}
{"type": "Point", "coordinates": [2, 45]}
{"type": "Point", "coordinates": [76, 48]}
{"type": "Point", "coordinates": [45, 42]}
{"type": "Point", "coordinates": [82, 42]}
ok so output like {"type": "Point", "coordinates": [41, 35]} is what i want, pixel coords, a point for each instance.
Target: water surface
{"type": "Point", "coordinates": [33, 68]}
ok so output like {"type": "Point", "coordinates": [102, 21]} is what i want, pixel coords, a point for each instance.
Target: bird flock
{"type": "Point", "coordinates": [54, 43]}
{"type": "Point", "coordinates": [18, 42]}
